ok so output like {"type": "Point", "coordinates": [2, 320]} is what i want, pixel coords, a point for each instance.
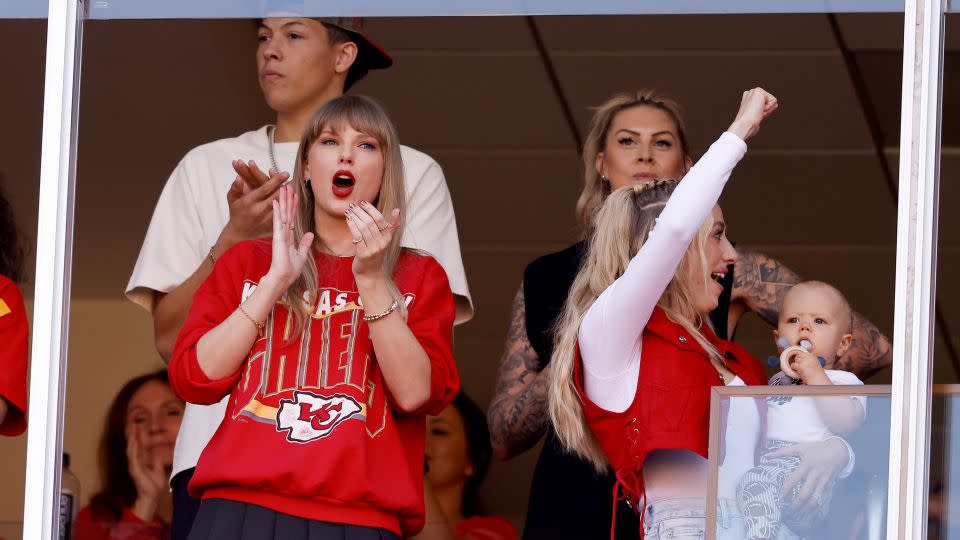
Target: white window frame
{"type": "Point", "coordinates": [915, 272]}
{"type": "Point", "coordinates": [913, 320]}
{"type": "Point", "coordinates": [51, 301]}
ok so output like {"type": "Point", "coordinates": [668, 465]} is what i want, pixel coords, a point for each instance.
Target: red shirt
{"type": "Point", "coordinates": [671, 408]}
{"type": "Point", "coordinates": [13, 357]}
{"type": "Point", "coordinates": [309, 429]}
{"type": "Point", "coordinates": [90, 526]}
{"type": "Point", "coordinates": [486, 528]}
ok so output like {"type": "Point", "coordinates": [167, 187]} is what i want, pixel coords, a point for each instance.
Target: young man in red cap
{"type": "Point", "coordinates": [219, 195]}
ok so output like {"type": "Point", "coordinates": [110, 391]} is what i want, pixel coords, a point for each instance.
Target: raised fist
{"type": "Point", "coordinates": [755, 106]}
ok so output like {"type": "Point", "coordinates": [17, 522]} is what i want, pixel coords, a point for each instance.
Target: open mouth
{"type": "Point", "coordinates": [718, 277]}
{"type": "Point", "coordinates": [343, 183]}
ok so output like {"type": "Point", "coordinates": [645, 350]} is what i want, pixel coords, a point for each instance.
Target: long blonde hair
{"type": "Point", "coordinates": [622, 225]}
{"type": "Point", "coordinates": [595, 189]}
{"type": "Point", "coordinates": [366, 116]}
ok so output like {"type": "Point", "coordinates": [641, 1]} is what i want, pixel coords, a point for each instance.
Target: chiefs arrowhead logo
{"type": "Point", "coordinates": [308, 417]}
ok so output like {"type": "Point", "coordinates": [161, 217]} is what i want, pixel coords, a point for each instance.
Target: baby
{"type": "Point", "coordinates": [817, 317]}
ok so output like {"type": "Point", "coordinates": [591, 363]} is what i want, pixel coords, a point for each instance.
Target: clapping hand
{"type": "Point", "coordinates": [147, 471]}
{"type": "Point", "coordinates": [289, 255]}
{"type": "Point", "coordinates": [372, 234]}
{"type": "Point", "coordinates": [250, 202]}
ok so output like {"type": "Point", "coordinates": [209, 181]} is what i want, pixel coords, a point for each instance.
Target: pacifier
{"type": "Point", "coordinates": [789, 351]}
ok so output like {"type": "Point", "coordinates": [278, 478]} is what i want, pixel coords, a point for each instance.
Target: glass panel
{"type": "Point", "coordinates": [503, 104]}
{"type": "Point", "coordinates": [23, 41]}
{"type": "Point", "coordinates": [23, 9]}
{"type": "Point", "coordinates": [947, 363]}
{"type": "Point", "coordinates": [944, 523]}
{"type": "Point", "coordinates": [945, 430]}
{"type": "Point", "coordinates": [785, 489]}
{"type": "Point", "coordinates": [202, 9]}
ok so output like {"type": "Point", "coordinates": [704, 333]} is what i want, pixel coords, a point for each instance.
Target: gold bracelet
{"type": "Point", "coordinates": [247, 315]}
{"type": "Point", "coordinates": [213, 260]}
{"type": "Point", "coordinates": [378, 316]}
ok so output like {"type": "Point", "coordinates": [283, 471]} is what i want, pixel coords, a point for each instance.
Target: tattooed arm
{"type": "Point", "coordinates": [759, 285]}
{"type": "Point", "coordinates": [518, 411]}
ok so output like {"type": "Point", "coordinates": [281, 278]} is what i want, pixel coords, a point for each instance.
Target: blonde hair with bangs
{"type": "Point", "coordinates": [366, 116]}
{"type": "Point", "coordinates": [622, 224]}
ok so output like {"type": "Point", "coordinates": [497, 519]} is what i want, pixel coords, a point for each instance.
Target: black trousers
{"type": "Point", "coordinates": [185, 507]}
{"type": "Point", "coordinates": [220, 519]}
{"type": "Point", "coordinates": [569, 499]}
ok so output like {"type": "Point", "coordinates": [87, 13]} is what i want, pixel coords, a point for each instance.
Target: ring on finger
{"type": "Point", "coordinates": [817, 498]}
{"type": "Point", "coordinates": [385, 227]}
{"type": "Point", "coordinates": [357, 240]}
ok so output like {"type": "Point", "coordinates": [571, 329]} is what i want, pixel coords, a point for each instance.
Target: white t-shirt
{"type": "Point", "coordinates": [796, 419]}
{"type": "Point", "coordinates": [192, 211]}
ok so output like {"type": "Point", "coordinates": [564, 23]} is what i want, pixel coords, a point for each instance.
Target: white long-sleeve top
{"type": "Point", "coordinates": [611, 330]}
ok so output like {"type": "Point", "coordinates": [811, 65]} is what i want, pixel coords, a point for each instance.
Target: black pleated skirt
{"type": "Point", "coordinates": [220, 519]}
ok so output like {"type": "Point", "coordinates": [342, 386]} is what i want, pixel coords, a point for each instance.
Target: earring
{"type": "Point", "coordinates": [604, 179]}
{"type": "Point", "coordinates": [306, 181]}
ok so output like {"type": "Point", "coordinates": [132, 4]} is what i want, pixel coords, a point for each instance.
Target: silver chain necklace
{"type": "Point", "coordinates": [273, 158]}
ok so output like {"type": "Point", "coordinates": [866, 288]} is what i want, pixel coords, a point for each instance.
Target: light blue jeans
{"type": "Point", "coordinates": [687, 519]}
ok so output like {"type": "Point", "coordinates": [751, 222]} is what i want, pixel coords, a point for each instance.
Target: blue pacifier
{"type": "Point", "coordinates": [789, 352]}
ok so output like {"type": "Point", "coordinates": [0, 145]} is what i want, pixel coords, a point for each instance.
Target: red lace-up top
{"type": "Point", "coordinates": [671, 407]}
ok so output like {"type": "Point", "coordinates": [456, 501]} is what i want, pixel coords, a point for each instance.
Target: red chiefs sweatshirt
{"type": "Point", "coordinates": [13, 357]}
{"type": "Point", "coordinates": [310, 429]}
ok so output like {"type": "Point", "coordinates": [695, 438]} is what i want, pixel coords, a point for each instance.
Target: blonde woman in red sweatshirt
{"type": "Point", "coordinates": [333, 343]}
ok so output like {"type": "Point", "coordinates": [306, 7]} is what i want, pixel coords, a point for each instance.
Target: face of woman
{"type": "Point", "coordinates": [703, 283]}
{"type": "Point", "coordinates": [344, 166]}
{"type": "Point", "coordinates": [153, 416]}
{"type": "Point", "coordinates": [446, 450]}
{"type": "Point", "coordinates": [643, 144]}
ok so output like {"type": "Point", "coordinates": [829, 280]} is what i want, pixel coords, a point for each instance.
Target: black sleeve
{"type": "Point", "coordinates": [546, 284]}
